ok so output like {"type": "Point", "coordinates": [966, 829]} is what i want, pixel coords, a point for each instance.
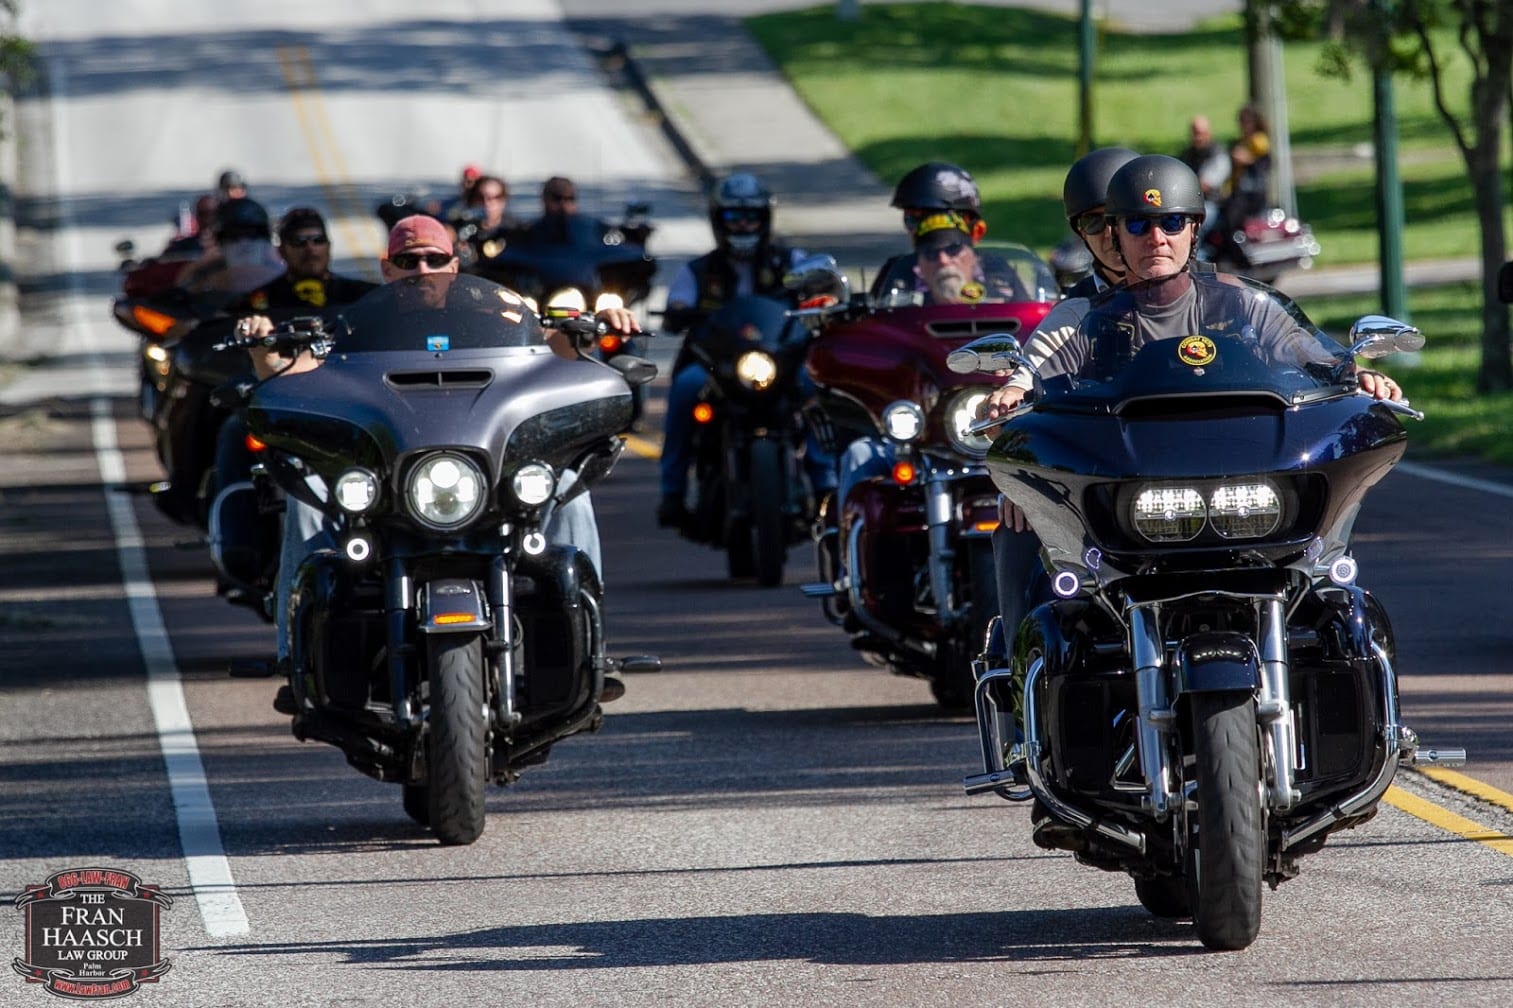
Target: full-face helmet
{"type": "Point", "coordinates": [740, 214]}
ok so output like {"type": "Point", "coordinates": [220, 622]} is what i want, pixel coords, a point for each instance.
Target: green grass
{"type": "Point", "coordinates": [994, 89]}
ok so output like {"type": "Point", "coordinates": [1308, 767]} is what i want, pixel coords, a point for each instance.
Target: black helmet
{"type": "Point", "coordinates": [737, 196]}
{"type": "Point", "coordinates": [300, 218]}
{"type": "Point", "coordinates": [937, 185]}
{"type": "Point", "coordinates": [1087, 180]}
{"type": "Point", "coordinates": [1151, 185]}
{"type": "Point", "coordinates": [241, 218]}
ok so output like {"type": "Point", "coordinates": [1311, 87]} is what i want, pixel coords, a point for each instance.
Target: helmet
{"type": "Point", "coordinates": [230, 179]}
{"type": "Point", "coordinates": [1154, 184]}
{"type": "Point", "coordinates": [241, 218]}
{"type": "Point", "coordinates": [741, 194]}
{"type": "Point", "coordinates": [1087, 180]}
{"type": "Point", "coordinates": [937, 185]}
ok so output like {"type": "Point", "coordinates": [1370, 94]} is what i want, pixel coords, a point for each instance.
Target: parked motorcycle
{"type": "Point", "coordinates": [1210, 694]}
{"type": "Point", "coordinates": [752, 498]}
{"type": "Point", "coordinates": [1263, 246]}
{"type": "Point", "coordinates": [445, 642]}
{"type": "Point", "coordinates": [906, 562]}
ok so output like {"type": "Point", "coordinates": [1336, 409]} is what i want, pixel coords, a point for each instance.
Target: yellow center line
{"type": "Point", "coordinates": [1448, 821]}
{"type": "Point", "coordinates": [298, 70]}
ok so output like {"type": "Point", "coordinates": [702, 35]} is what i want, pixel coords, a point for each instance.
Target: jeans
{"type": "Point", "coordinates": [1021, 578]}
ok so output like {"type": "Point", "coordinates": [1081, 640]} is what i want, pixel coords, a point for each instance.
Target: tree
{"type": "Point", "coordinates": [1405, 36]}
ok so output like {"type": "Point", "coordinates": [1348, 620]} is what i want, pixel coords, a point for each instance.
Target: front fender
{"type": "Point", "coordinates": [1217, 662]}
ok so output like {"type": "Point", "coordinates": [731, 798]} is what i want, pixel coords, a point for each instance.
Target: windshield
{"type": "Point", "coordinates": [1004, 272]}
{"type": "Point", "coordinates": [1193, 334]}
{"type": "Point", "coordinates": [437, 312]}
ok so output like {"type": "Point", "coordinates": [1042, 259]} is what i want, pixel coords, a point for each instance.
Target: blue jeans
{"type": "Point", "coordinates": [677, 436]}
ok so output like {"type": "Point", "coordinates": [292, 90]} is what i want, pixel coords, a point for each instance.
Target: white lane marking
{"type": "Point", "coordinates": [1465, 482]}
{"type": "Point", "coordinates": [199, 830]}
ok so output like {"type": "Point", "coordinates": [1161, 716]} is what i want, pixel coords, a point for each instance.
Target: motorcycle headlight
{"type": "Point", "coordinates": [903, 420]}
{"type": "Point", "coordinates": [445, 491]}
{"type": "Point", "coordinates": [608, 299]}
{"type": "Point", "coordinates": [1245, 510]}
{"type": "Point", "coordinates": [567, 299]}
{"type": "Point", "coordinates": [756, 370]}
{"type": "Point", "coordinates": [961, 411]}
{"type": "Point", "coordinates": [1169, 513]}
{"type": "Point", "coordinates": [356, 490]}
{"type": "Point", "coordinates": [533, 484]}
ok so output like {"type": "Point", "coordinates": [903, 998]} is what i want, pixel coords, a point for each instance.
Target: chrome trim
{"type": "Point", "coordinates": [1274, 706]}
{"type": "Point", "coordinates": [1148, 653]}
{"type": "Point", "coordinates": [1393, 741]}
{"type": "Point", "coordinates": [859, 610]}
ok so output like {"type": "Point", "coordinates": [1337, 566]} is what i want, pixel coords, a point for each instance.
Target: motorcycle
{"type": "Point", "coordinates": [1263, 246]}
{"type": "Point", "coordinates": [444, 642]}
{"type": "Point", "coordinates": [751, 495]}
{"type": "Point", "coordinates": [1209, 694]}
{"type": "Point", "coordinates": [151, 306]}
{"type": "Point", "coordinates": [906, 562]}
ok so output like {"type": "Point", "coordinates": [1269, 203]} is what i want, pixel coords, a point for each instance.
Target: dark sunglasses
{"type": "Point", "coordinates": [1091, 223]}
{"type": "Point", "coordinates": [303, 241]}
{"type": "Point", "coordinates": [1172, 224]}
{"type": "Point", "coordinates": [741, 216]}
{"type": "Point", "coordinates": [952, 250]}
{"type": "Point", "coordinates": [412, 260]}
{"type": "Point", "coordinates": [562, 197]}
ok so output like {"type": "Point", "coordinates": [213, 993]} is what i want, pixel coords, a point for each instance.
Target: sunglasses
{"type": "Point", "coordinates": [412, 260]}
{"type": "Point", "coordinates": [1172, 224]}
{"type": "Point", "coordinates": [741, 216]}
{"type": "Point", "coordinates": [1091, 223]}
{"type": "Point", "coordinates": [303, 241]}
{"type": "Point", "coordinates": [952, 250]}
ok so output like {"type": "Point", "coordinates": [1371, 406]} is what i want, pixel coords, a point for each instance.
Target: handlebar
{"type": "Point", "coordinates": [305, 331]}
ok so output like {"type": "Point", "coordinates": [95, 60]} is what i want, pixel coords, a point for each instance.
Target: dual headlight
{"type": "Point", "coordinates": [1174, 512]}
{"type": "Point", "coordinates": [446, 490]}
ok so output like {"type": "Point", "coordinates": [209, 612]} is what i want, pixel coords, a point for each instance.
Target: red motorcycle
{"type": "Point", "coordinates": [906, 559]}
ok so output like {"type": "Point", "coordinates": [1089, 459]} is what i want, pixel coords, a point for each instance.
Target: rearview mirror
{"type": "Point", "coordinates": [1378, 336]}
{"type": "Point", "coordinates": [993, 352]}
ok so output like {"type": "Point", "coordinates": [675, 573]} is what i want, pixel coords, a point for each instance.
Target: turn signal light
{"type": "Point", "coordinates": [154, 322]}
{"type": "Point", "coordinates": [610, 343]}
{"type": "Point", "coordinates": [904, 473]}
{"type": "Point", "coordinates": [253, 444]}
{"type": "Point", "coordinates": [703, 412]}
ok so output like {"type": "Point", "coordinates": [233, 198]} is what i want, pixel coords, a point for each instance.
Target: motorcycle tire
{"type": "Point", "coordinates": [739, 561]}
{"type": "Point", "coordinates": [1165, 896]}
{"type": "Point", "coordinates": [1225, 870]}
{"type": "Point", "coordinates": [456, 761]}
{"type": "Point", "coordinates": [417, 803]}
{"type": "Point", "coordinates": [769, 525]}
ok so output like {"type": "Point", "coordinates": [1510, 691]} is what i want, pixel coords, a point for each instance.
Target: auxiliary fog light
{"type": "Point", "coordinates": [359, 548]}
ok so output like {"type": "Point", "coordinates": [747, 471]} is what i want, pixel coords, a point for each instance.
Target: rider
{"type": "Point", "coordinates": [747, 259]}
{"type": "Point", "coordinates": [419, 245]}
{"type": "Point", "coordinates": [243, 256]}
{"type": "Point", "coordinates": [931, 188]}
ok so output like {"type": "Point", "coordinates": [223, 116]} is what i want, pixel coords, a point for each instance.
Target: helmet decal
{"type": "Point", "coordinates": [1197, 351]}
{"type": "Point", "coordinates": [1152, 196]}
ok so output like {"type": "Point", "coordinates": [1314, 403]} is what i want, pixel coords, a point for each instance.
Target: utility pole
{"type": "Point", "coordinates": [1086, 55]}
{"type": "Point", "coordinates": [1389, 187]}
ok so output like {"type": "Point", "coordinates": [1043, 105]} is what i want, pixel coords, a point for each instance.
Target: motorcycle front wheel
{"type": "Point", "coordinates": [455, 738]}
{"type": "Point", "coordinates": [769, 526]}
{"type": "Point", "coordinates": [1224, 872]}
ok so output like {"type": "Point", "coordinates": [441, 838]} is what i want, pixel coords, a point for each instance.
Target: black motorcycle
{"type": "Point", "coordinates": [1210, 694]}
{"type": "Point", "coordinates": [752, 498]}
{"type": "Point", "coordinates": [444, 641]}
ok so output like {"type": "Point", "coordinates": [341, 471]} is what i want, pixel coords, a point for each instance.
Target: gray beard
{"type": "Point", "coordinates": [946, 286]}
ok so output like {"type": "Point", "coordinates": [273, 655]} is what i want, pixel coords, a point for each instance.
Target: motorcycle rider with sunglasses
{"type": "Point", "coordinates": [1153, 207]}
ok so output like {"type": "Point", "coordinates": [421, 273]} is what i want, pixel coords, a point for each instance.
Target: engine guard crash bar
{"type": "Point", "coordinates": [1393, 735]}
{"type": "Point", "coordinates": [997, 778]}
{"type": "Point", "coordinates": [858, 607]}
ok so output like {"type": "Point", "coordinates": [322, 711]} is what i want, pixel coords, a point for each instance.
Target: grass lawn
{"type": "Point", "coordinates": [994, 89]}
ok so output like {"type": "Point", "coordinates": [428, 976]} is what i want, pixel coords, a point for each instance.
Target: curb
{"type": "Point", "coordinates": [615, 59]}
